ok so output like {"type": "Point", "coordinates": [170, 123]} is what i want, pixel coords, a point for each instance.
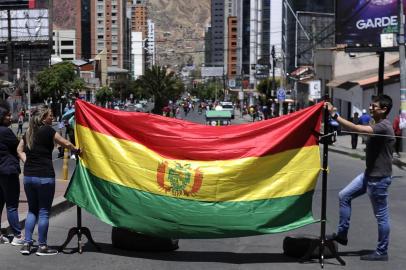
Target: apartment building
{"type": "Point", "coordinates": [102, 25]}
{"type": "Point", "coordinates": [64, 44]}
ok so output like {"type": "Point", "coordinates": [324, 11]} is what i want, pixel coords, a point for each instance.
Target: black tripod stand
{"type": "Point", "coordinates": [324, 243]}
{"type": "Point", "coordinates": [79, 231]}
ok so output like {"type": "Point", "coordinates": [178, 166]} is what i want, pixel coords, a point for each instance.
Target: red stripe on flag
{"type": "Point", "coordinates": [178, 139]}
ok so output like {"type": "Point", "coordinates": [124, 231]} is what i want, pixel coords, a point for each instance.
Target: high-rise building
{"type": "Point", "coordinates": [139, 37]}
{"type": "Point", "coordinates": [217, 33]}
{"type": "Point", "coordinates": [64, 44]}
{"type": "Point", "coordinates": [240, 38]}
{"type": "Point", "coordinates": [151, 49]}
{"type": "Point", "coordinates": [139, 18]}
{"type": "Point", "coordinates": [102, 25]}
{"type": "Point", "coordinates": [255, 39]}
{"type": "Point", "coordinates": [276, 34]}
{"type": "Point", "coordinates": [303, 20]}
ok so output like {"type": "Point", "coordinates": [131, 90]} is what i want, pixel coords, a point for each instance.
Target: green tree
{"type": "Point", "coordinates": [210, 90]}
{"type": "Point", "coordinates": [266, 84]}
{"type": "Point", "coordinates": [122, 88]}
{"type": "Point", "coordinates": [78, 85]}
{"type": "Point", "coordinates": [103, 95]}
{"type": "Point", "coordinates": [162, 85]}
{"type": "Point", "coordinates": [57, 80]}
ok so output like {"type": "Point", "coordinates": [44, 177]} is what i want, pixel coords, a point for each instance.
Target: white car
{"type": "Point", "coordinates": [228, 106]}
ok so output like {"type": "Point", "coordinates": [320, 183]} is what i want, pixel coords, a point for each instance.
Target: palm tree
{"type": "Point", "coordinates": [162, 85]}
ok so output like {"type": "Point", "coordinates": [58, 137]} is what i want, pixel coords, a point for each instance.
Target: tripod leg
{"type": "Point", "coordinates": [80, 248]}
{"type": "Point", "coordinates": [331, 247]}
{"type": "Point", "coordinates": [72, 232]}
{"type": "Point", "coordinates": [87, 233]}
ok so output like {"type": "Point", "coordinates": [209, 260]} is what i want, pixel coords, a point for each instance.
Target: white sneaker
{"type": "Point", "coordinates": [72, 157]}
{"type": "Point", "coordinates": [18, 241]}
{"type": "Point", "coordinates": [4, 240]}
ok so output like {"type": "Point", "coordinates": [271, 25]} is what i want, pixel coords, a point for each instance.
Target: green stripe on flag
{"type": "Point", "coordinates": [179, 218]}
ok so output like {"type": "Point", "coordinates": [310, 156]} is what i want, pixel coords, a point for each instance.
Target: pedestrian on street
{"type": "Point", "coordinates": [35, 150]}
{"type": "Point", "coordinates": [398, 125]}
{"type": "Point", "coordinates": [364, 120]}
{"type": "Point", "coordinates": [376, 178]}
{"type": "Point", "coordinates": [354, 136]}
{"type": "Point", "coordinates": [9, 175]}
{"type": "Point", "coordinates": [20, 123]}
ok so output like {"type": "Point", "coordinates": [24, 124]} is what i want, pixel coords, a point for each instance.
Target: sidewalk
{"type": "Point", "coordinates": [343, 146]}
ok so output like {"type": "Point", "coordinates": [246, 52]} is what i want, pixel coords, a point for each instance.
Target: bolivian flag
{"type": "Point", "coordinates": [171, 178]}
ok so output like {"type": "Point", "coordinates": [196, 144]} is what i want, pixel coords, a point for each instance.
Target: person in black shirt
{"type": "Point", "coordinates": [35, 150]}
{"type": "Point", "coordinates": [376, 178]}
{"type": "Point", "coordinates": [9, 175]}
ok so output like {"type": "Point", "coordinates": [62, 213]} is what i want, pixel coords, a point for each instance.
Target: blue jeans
{"type": "Point", "coordinates": [40, 194]}
{"type": "Point", "coordinates": [10, 195]}
{"type": "Point", "coordinates": [377, 189]}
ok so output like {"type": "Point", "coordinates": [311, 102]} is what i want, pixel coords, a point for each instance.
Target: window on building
{"type": "Point", "coordinates": [67, 51]}
{"type": "Point", "coordinates": [67, 43]}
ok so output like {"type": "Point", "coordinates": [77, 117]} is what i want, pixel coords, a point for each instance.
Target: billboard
{"type": "Point", "coordinates": [26, 25]}
{"type": "Point", "coordinates": [212, 72]}
{"type": "Point", "coordinates": [14, 4]}
{"type": "Point", "coordinates": [23, 4]}
{"type": "Point", "coordinates": [360, 22]}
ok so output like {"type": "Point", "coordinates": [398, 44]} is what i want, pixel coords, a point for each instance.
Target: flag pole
{"type": "Point", "coordinates": [324, 244]}
{"type": "Point", "coordinates": [78, 230]}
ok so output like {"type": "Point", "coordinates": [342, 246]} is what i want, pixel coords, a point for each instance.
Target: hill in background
{"type": "Point", "coordinates": [179, 27]}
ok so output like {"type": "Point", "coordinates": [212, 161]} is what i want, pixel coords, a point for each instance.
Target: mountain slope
{"type": "Point", "coordinates": [179, 27]}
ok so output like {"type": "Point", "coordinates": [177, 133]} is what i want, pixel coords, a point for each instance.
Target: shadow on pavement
{"type": "Point", "coordinates": [358, 253]}
{"type": "Point", "coordinates": [191, 256]}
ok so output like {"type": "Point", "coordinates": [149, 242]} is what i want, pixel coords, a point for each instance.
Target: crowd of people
{"type": "Point", "coordinates": [34, 149]}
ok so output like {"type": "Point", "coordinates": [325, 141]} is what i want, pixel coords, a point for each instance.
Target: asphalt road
{"type": "Point", "coordinates": [259, 252]}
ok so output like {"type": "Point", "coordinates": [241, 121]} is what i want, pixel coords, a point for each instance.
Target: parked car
{"type": "Point", "coordinates": [228, 106]}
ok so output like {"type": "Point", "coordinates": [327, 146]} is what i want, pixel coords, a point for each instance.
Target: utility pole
{"type": "Point", "coordinates": [10, 57]}
{"type": "Point", "coordinates": [402, 65]}
{"type": "Point", "coordinates": [29, 89]}
{"type": "Point", "coordinates": [241, 95]}
{"type": "Point", "coordinates": [273, 70]}
{"type": "Point", "coordinates": [273, 91]}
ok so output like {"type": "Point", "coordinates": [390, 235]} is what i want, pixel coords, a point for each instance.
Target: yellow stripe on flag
{"type": "Point", "coordinates": [131, 164]}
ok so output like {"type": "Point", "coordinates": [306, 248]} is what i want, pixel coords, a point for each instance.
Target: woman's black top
{"type": "Point", "coordinates": [9, 162]}
{"type": "Point", "coordinates": [39, 158]}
